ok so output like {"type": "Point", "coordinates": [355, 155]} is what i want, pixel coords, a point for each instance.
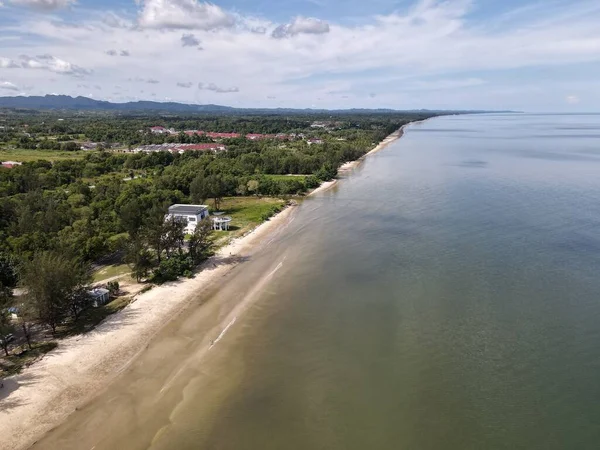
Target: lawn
{"type": "Point", "coordinates": [246, 213]}
{"type": "Point", "coordinates": [106, 272]}
{"type": "Point", "coordinates": [287, 177]}
{"type": "Point", "coordinates": [27, 155]}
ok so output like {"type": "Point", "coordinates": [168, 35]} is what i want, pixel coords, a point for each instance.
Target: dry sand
{"type": "Point", "coordinates": [42, 397]}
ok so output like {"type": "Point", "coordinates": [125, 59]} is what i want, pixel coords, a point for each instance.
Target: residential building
{"type": "Point", "coordinates": [158, 130]}
{"type": "Point", "coordinates": [10, 164]}
{"type": "Point", "coordinates": [99, 297]}
{"type": "Point", "coordinates": [180, 148]}
{"type": "Point", "coordinates": [190, 214]}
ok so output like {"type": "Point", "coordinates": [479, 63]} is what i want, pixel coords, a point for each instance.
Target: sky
{"type": "Point", "coordinates": [526, 55]}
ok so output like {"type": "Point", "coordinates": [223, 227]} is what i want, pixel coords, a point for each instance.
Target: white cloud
{"type": "Point", "coordinates": [187, 84]}
{"type": "Point", "coordinates": [220, 90]}
{"type": "Point", "coordinates": [183, 14]}
{"type": "Point", "coordinates": [307, 25]}
{"type": "Point", "coordinates": [7, 63]}
{"type": "Point", "coordinates": [44, 5]}
{"type": "Point", "coordinates": [572, 99]}
{"type": "Point", "coordinates": [7, 85]}
{"type": "Point", "coordinates": [52, 64]}
{"type": "Point", "coordinates": [44, 62]}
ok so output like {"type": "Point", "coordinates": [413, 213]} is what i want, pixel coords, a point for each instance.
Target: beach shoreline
{"type": "Point", "coordinates": [46, 393]}
{"type": "Point", "coordinates": [349, 166]}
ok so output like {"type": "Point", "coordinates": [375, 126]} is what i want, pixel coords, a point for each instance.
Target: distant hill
{"type": "Point", "coordinates": [65, 102]}
{"type": "Point", "coordinates": [89, 104]}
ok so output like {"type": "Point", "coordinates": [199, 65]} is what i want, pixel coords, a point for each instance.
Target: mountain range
{"type": "Point", "coordinates": [65, 102]}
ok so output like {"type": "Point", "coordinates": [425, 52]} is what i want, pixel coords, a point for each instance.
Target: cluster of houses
{"type": "Point", "coordinates": [180, 148]}
{"type": "Point", "coordinates": [326, 125]}
{"type": "Point", "coordinates": [219, 136]}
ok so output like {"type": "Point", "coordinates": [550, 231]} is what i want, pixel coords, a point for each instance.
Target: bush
{"type": "Point", "coordinates": [171, 269]}
{"type": "Point", "coordinates": [271, 212]}
{"type": "Point", "coordinates": [113, 287]}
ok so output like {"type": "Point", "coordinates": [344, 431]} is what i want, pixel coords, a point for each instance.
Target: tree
{"type": "Point", "coordinates": [113, 287]}
{"type": "Point", "coordinates": [154, 229]}
{"type": "Point", "coordinates": [56, 286]}
{"type": "Point", "coordinates": [252, 186]}
{"type": "Point", "coordinates": [173, 235]}
{"type": "Point", "coordinates": [139, 259]}
{"type": "Point", "coordinates": [26, 319]}
{"type": "Point", "coordinates": [201, 244]}
{"type": "Point", "coordinates": [6, 326]}
{"type": "Point", "coordinates": [8, 271]}
{"type": "Point", "coordinates": [211, 186]}
{"type": "Point", "coordinates": [132, 217]}
{"type": "Point", "coordinates": [198, 189]}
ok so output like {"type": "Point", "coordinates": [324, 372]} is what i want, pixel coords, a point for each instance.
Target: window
{"type": "Point", "coordinates": [191, 219]}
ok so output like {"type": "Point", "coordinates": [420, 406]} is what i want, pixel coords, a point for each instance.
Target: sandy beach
{"type": "Point", "coordinates": [42, 397]}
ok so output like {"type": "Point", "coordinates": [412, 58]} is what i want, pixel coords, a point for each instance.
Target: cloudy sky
{"type": "Point", "coordinates": [532, 55]}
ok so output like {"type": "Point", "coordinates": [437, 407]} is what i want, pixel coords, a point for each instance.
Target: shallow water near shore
{"type": "Point", "coordinates": [445, 296]}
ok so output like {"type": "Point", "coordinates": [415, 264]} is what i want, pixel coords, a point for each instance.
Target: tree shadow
{"type": "Point", "coordinates": [11, 385]}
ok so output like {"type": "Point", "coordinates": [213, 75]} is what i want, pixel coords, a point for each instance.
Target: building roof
{"type": "Point", "coordinates": [98, 292]}
{"type": "Point", "coordinates": [187, 209]}
{"type": "Point", "coordinates": [200, 147]}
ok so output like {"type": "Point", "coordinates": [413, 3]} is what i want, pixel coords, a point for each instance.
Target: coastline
{"type": "Point", "coordinates": [46, 393]}
{"type": "Point", "coordinates": [349, 166]}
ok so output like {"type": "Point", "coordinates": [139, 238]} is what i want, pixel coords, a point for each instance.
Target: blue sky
{"type": "Point", "coordinates": [531, 55]}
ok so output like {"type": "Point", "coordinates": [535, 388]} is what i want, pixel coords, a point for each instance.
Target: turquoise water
{"type": "Point", "coordinates": [445, 296]}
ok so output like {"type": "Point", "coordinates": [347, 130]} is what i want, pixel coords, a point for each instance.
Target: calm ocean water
{"type": "Point", "coordinates": [445, 296]}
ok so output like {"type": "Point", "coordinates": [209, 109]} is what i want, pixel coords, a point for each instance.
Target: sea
{"type": "Point", "coordinates": [445, 295]}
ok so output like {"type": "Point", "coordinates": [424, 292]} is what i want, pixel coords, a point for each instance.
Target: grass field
{"type": "Point", "coordinates": [246, 213]}
{"type": "Point", "coordinates": [287, 177]}
{"type": "Point", "coordinates": [26, 155]}
{"type": "Point", "coordinates": [107, 272]}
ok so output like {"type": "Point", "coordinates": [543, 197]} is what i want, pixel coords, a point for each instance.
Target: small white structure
{"type": "Point", "coordinates": [99, 297]}
{"type": "Point", "coordinates": [221, 223]}
{"type": "Point", "coordinates": [191, 214]}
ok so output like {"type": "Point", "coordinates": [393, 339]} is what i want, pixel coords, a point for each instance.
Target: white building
{"type": "Point", "coordinates": [191, 214]}
{"type": "Point", "coordinates": [99, 297]}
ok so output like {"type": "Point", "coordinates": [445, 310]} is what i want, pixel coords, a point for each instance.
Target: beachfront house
{"type": "Point", "coordinates": [99, 297]}
{"type": "Point", "coordinates": [191, 214]}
